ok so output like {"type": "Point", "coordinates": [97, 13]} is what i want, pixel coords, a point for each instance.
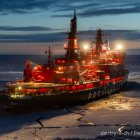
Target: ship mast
{"type": "Point", "coordinates": [99, 42]}
{"type": "Point", "coordinates": [72, 46]}
{"type": "Point", "coordinates": [50, 58]}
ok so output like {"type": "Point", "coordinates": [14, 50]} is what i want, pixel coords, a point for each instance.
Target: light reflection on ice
{"type": "Point", "coordinates": [115, 102]}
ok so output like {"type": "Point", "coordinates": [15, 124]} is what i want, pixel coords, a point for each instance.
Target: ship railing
{"type": "Point", "coordinates": [21, 92]}
{"type": "Point", "coordinates": [45, 91]}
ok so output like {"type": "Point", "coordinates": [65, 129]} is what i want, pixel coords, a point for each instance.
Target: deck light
{"type": "Point", "coordinates": [86, 47]}
{"type": "Point", "coordinates": [19, 88]}
{"type": "Point", "coordinates": [119, 47]}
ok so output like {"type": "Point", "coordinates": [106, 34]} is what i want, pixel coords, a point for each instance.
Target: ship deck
{"type": "Point", "coordinates": [34, 85]}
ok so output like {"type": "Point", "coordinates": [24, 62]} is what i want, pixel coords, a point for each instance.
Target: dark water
{"type": "Point", "coordinates": [12, 66]}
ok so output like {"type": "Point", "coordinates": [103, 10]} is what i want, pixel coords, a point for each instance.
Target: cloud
{"type": "Point", "coordinates": [111, 35]}
{"type": "Point", "coordinates": [101, 7]}
{"type": "Point", "coordinates": [24, 6]}
{"type": "Point", "coordinates": [111, 11]}
{"type": "Point", "coordinates": [131, 35]}
{"type": "Point", "coordinates": [63, 8]}
{"type": "Point", "coordinates": [29, 28]}
{"type": "Point", "coordinates": [48, 37]}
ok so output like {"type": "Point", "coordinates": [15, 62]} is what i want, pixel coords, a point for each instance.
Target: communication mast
{"type": "Point", "coordinates": [72, 47]}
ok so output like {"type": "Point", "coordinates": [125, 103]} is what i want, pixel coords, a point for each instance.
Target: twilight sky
{"type": "Point", "coordinates": [29, 26]}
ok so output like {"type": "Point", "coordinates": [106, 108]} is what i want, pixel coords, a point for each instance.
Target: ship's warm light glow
{"type": "Point", "coordinates": [59, 68]}
{"type": "Point", "coordinates": [65, 46]}
{"type": "Point", "coordinates": [86, 46]}
{"type": "Point", "coordinates": [119, 47]}
{"type": "Point", "coordinates": [20, 88]}
{"type": "Point", "coordinates": [35, 68]}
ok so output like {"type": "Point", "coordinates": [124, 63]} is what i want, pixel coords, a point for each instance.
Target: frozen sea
{"type": "Point", "coordinates": [114, 117]}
